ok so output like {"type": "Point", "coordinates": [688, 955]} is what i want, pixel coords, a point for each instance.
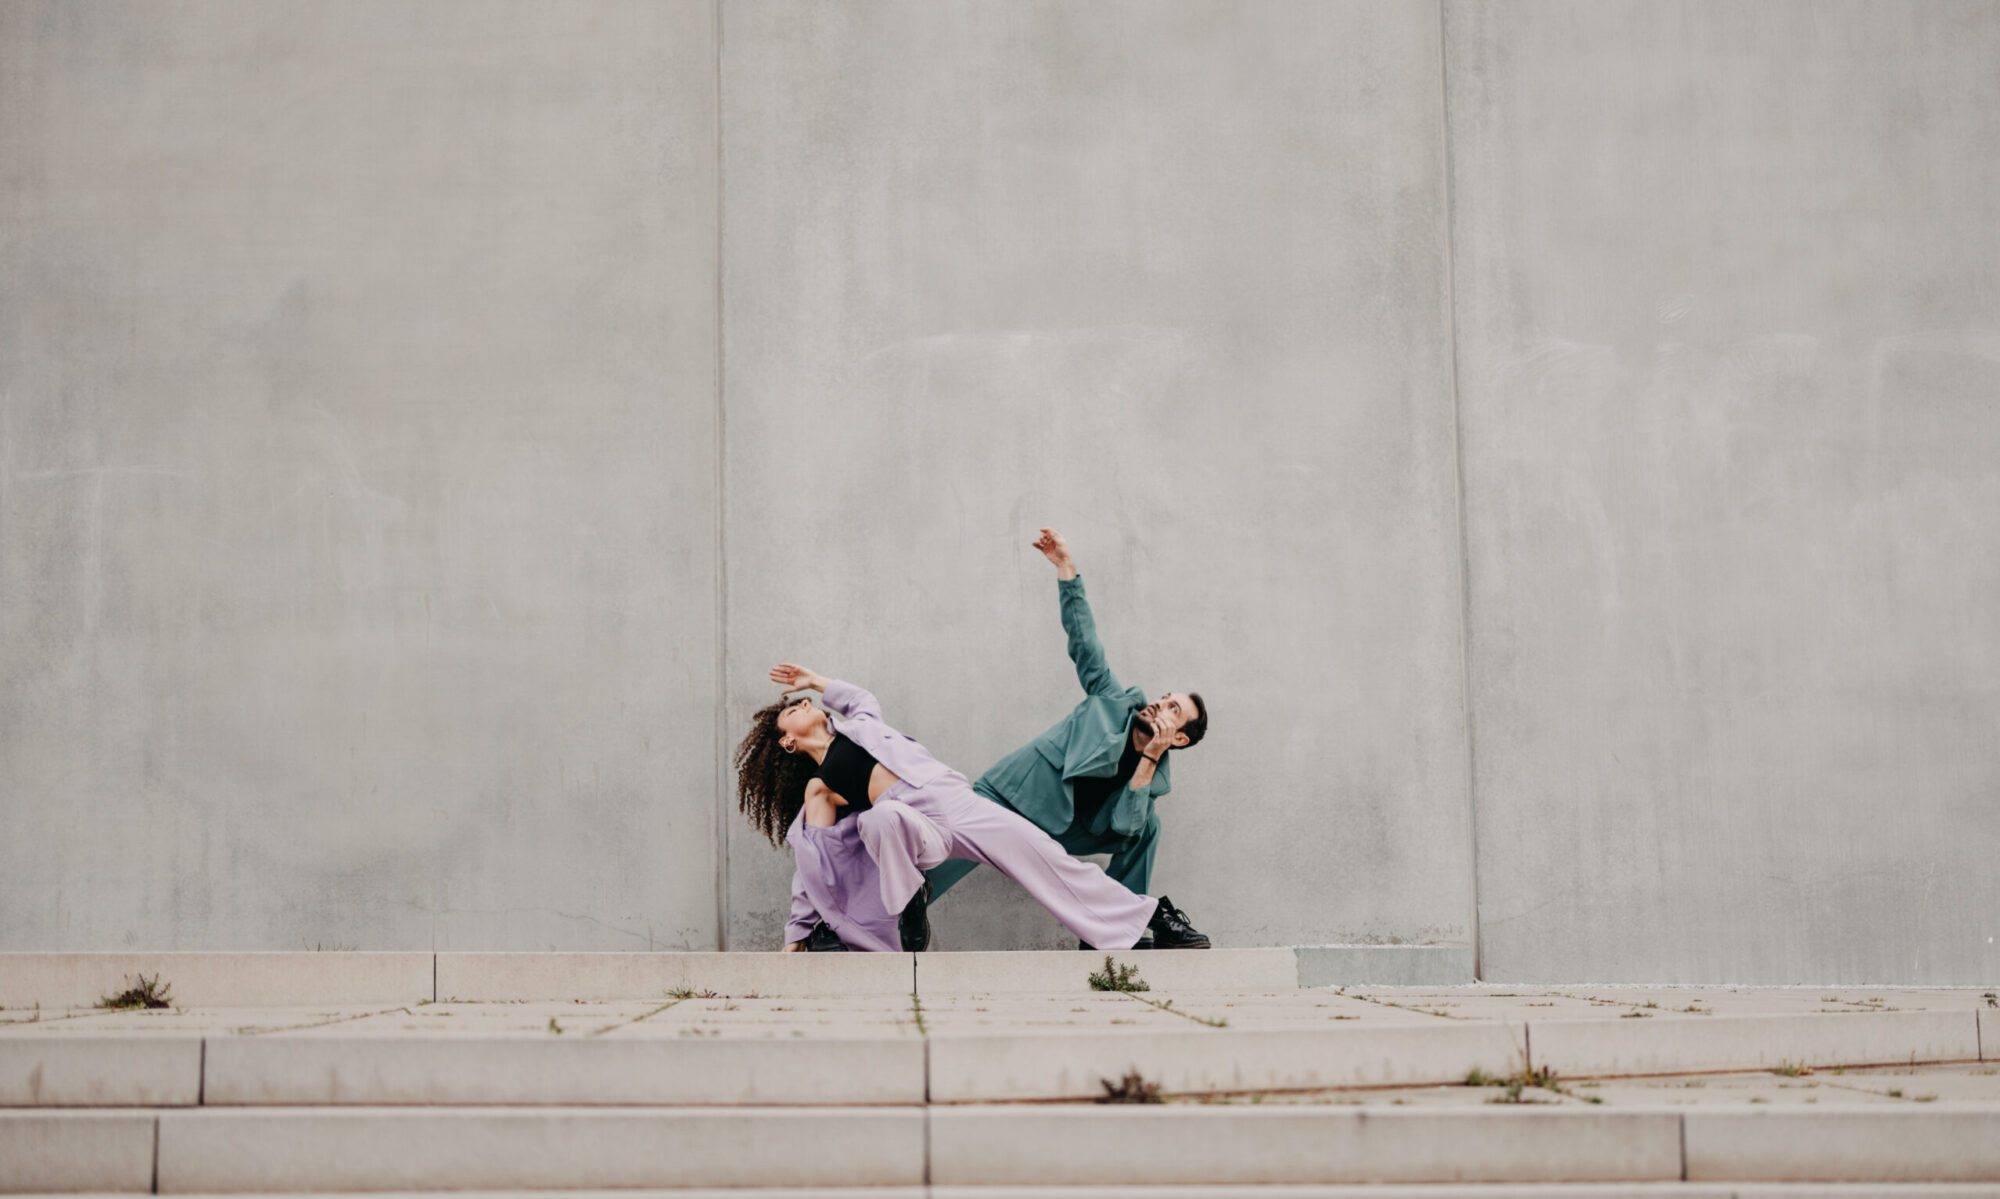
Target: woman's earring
{"type": "Point", "coordinates": [788, 747]}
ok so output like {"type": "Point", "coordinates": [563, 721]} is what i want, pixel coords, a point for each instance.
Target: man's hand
{"type": "Point", "coordinates": [1056, 550]}
{"type": "Point", "coordinates": [1165, 727]}
{"type": "Point", "coordinates": [796, 678]}
{"type": "Point", "coordinates": [794, 947]}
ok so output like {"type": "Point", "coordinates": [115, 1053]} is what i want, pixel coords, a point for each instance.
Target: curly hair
{"type": "Point", "coordinates": [770, 783]}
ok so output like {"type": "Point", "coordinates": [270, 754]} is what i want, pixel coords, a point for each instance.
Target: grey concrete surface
{"type": "Point", "coordinates": [1168, 278]}
{"type": "Point", "coordinates": [1557, 439]}
{"type": "Point", "coordinates": [108, 1071]}
{"type": "Point", "coordinates": [65, 980]}
{"type": "Point", "coordinates": [357, 475]}
{"type": "Point", "coordinates": [1385, 965]}
{"type": "Point", "coordinates": [76, 1151]}
{"type": "Point", "coordinates": [377, 1149]}
{"type": "Point", "coordinates": [1166, 1146]}
{"type": "Point", "coordinates": [583, 1070]}
{"type": "Point", "coordinates": [1728, 351]}
{"type": "Point", "coordinates": [1797, 1145]}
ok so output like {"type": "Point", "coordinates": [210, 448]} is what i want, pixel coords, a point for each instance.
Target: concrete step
{"type": "Point", "coordinates": [832, 1054]}
{"type": "Point", "coordinates": [61, 981]}
{"type": "Point", "coordinates": [285, 1150]}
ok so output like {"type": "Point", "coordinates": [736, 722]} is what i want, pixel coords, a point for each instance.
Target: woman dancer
{"type": "Point", "coordinates": [910, 812]}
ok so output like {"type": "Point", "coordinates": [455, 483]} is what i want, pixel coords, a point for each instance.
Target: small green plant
{"type": "Point", "coordinates": [554, 1027]}
{"type": "Point", "coordinates": [1791, 1069]}
{"type": "Point", "coordinates": [1133, 1088]}
{"type": "Point", "coordinates": [1895, 1092]}
{"type": "Point", "coordinates": [1924, 1098]}
{"type": "Point", "coordinates": [1476, 1077]}
{"type": "Point", "coordinates": [1115, 977]}
{"type": "Point", "coordinates": [917, 1011]}
{"type": "Point", "coordinates": [1636, 1016]}
{"type": "Point", "coordinates": [143, 993]}
{"type": "Point", "coordinates": [680, 993]}
{"type": "Point", "coordinates": [1991, 999]}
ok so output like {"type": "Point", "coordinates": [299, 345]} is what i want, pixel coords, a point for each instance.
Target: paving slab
{"type": "Point", "coordinates": [571, 1070]}
{"type": "Point", "coordinates": [1656, 1046]}
{"type": "Point", "coordinates": [605, 976]}
{"type": "Point", "coordinates": [76, 1151]}
{"type": "Point", "coordinates": [79, 980]}
{"type": "Point", "coordinates": [1106, 1146]}
{"type": "Point", "coordinates": [1411, 965]}
{"type": "Point", "coordinates": [1058, 971]}
{"type": "Point", "coordinates": [99, 1071]}
{"type": "Point", "coordinates": [1903, 1144]}
{"type": "Point", "coordinates": [1195, 1059]}
{"type": "Point", "coordinates": [375, 1149]}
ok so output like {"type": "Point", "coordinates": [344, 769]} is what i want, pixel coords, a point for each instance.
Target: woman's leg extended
{"type": "Point", "coordinates": [904, 844]}
{"type": "Point", "coordinates": [1087, 901]}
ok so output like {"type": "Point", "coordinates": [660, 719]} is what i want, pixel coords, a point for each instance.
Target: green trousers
{"type": "Point", "coordinates": [1131, 855]}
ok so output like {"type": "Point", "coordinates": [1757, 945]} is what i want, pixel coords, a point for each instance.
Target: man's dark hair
{"type": "Point", "coordinates": [1197, 727]}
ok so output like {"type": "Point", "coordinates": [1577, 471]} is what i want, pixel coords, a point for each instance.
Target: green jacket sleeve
{"type": "Point", "coordinates": [1084, 649]}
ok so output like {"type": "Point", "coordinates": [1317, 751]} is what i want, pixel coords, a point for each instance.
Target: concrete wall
{"type": "Point", "coordinates": [1728, 297]}
{"type": "Point", "coordinates": [1560, 429]}
{"type": "Point", "coordinates": [357, 475]}
{"type": "Point", "coordinates": [1169, 279]}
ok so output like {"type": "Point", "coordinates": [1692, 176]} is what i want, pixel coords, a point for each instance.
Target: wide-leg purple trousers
{"type": "Point", "coordinates": [911, 829]}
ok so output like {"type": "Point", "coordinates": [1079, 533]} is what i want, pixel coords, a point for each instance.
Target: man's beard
{"type": "Point", "coordinates": [1143, 725]}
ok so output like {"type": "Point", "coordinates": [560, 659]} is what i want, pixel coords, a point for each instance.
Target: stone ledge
{"type": "Point", "coordinates": [1068, 971]}
{"type": "Point", "coordinates": [474, 1071]}
{"type": "Point", "coordinates": [1384, 965]}
{"type": "Point", "coordinates": [93, 1071]}
{"type": "Point", "coordinates": [1074, 1065]}
{"type": "Point", "coordinates": [76, 1151]}
{"type": "Point", "coordinates": [79, 980]}
{"type": "Point", "coordinates": [378, 1149]}
{"type": "Point", "coordinates": [1182, 1145]}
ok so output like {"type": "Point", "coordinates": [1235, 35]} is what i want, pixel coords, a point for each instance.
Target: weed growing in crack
{"type": "Point", "coordinates": [917, 1012]}
{"type": "Point", "coordinates": [143, 993]}
{"type": "Point", "coordinates": [1115, 977]}
{"type": "Point", "coordinates": [1133, 1088]}
{"type": "Point", "coordinates": [1791, 1069]}
{"type": "Point", "coordinates": [554, 1027]}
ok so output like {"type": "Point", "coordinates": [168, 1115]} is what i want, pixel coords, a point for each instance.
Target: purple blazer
{"type": "Point", "coordinates": [859, 717]}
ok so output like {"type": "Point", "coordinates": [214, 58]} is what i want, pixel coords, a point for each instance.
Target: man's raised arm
{"type": "Point", "coordinates": [1092, 671]}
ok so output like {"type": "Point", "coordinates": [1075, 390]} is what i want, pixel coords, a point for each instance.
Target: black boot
{"type": "Point", "coordinates": [1171, 929]}
{"type": "Point", "coordinates": [914, 924]}
{"type": "Point", "coordinates": [824, 940]}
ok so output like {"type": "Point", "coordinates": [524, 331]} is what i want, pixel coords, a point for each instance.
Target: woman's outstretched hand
{"type": "Point", "coordinates": [794, 947]}
{"type": "Point", "coordinates": [1056, 550]}
{"type": "Point", "coordinates": [794, 678]}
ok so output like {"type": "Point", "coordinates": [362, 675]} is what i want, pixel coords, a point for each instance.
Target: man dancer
{"type": "Point", "coordinates": [1091, 780]}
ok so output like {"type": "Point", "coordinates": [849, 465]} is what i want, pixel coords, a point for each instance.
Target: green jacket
{"type": "Point", "coordinates": [1036, 779]}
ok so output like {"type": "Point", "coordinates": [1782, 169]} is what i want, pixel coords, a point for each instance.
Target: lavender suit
{"type": "Point", "coordinates": [859, 874]}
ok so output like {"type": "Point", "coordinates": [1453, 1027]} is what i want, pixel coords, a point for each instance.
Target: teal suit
{"type": "Point", "coordinates": [1038, 780]}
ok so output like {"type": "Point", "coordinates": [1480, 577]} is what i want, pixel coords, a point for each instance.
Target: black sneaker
{"type": "Point", "coordinates": [824, 940]}
{"type": "Point", "coordinates": [1171, 929]}
{"type": "Point", "coordinates": [914, 925]}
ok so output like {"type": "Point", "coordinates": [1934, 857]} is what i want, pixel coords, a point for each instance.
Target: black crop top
{"type": "Point", "coordinates": [847, 769]}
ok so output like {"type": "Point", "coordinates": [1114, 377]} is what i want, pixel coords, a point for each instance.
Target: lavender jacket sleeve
{"type": "Point", "coordinates": [859, 718]}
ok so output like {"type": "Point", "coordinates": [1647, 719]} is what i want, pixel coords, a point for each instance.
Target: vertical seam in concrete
{"type": "Point", "coordinates": [1684, 1146]}
{"type": "Point", "coordinates": [201, 1077]}
{"type": "Point", "coordinates": [434, 978]}
{"type": "Point", "coordinates": [721, 526]}
{"type": "Point", "coordinates": [1979, 1033]}
{"type": "Point", "coordinates": [927, 1121]}
{"type": "Point", "coordinates": [1458, 479]}
{"type": "Point", "coordinates": [156, 1155]}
